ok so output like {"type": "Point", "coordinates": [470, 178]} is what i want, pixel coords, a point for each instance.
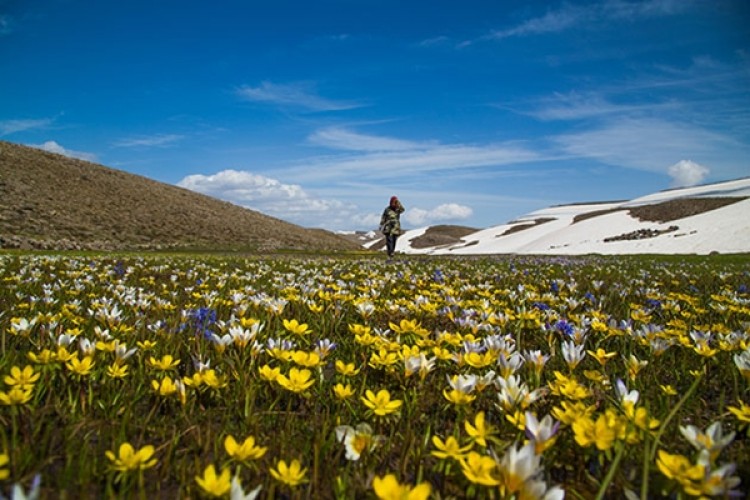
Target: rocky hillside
{"type": "Point", "coordinates": [49, 201]}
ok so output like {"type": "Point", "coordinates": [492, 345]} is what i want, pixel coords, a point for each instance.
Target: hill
{"type": "Point", "coordinates": [49, 201]}
{"type": "Point", "coordinates": [701, 220]}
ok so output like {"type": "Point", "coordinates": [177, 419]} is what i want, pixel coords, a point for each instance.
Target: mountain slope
{"type": "Point", "coordinates": [55, 202]}
{"type": "Point", "coordinates": [701, 219]}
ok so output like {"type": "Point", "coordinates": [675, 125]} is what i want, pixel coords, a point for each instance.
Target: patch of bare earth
{"type": "Point", "coordinates": [521, 227]}
{"type": "Point", "coordinates": [666, 211]}
{"type": "Point", "coordinates": [441, 235]}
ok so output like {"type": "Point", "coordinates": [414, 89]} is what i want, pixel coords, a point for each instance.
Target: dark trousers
{"type": "Point", "coordinates": [390, 243]}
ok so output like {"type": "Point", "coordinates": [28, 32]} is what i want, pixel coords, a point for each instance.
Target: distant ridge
{"type": "Point", "coordinates": [50, 201]}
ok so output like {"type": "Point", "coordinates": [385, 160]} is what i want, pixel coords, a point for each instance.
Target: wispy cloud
{"type": "Point", "coordinates": [571, 16]}
{"type": "Point", "coordinates": [653, 145]}
{"type": "Point", "coordinates": [159, 140]}
{"type": "Point", "coordinates": [6, 25]}
{"type": "Point", "coordinates": [578, 106]}
{"type": "Point", "coordinates": [377, 157]}
{"type": "Point", "coordinates": [344, 139]}
{"type": "Point", "coordinates": [8, 127]}
{"type": "Point", "coordinates": [54, 147]}
{"type": "Point", "coordinates": [297, 95]}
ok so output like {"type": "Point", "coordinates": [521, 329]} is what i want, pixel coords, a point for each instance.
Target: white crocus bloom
{"type": "Point", "coordinates": [742, 362]}
{"type": "Point", "coordinates": [357, 440]}
{"type": "Point", "coordinates": [712, 440]}
{"type": "Point", "coordinates": [464, 384]}
{"type": "Point", "coordinates": [573, 353]}
{"type": "Point", "coordinates": [624, 395]}
{"type": "Point", "coordinates": [86, 346]}
{"type": "Point", "coordinates": [541, 432]}
{"type": "Point", "coordinates": [237, 493]}
{"type": "Point", "coordinates": [122, 352]}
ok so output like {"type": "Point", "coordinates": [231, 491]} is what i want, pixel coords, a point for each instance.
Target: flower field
{"type": "Point", "coordinates": [186, 377]}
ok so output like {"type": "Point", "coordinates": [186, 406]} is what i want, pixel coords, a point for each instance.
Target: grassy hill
{"type": "Point", "coordinates": [49, 201]}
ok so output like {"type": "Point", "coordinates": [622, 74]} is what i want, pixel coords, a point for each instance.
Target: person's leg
{"type": "Point", "coordinates": [390, 243]}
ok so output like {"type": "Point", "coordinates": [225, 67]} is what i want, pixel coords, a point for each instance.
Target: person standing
{"type": "Point", "coordinates": [390, 224]}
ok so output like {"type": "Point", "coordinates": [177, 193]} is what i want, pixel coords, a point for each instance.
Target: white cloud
{"type": "Point", "coordinates": [448, 212]}
{"type": "Point", "coordinates": [158, 140]}
{"type": "Point", "coordinates": [298, 95]}
{"type": "Point", "coordinates": [687, 173]}
{"type": "Point", "coordinates": [53, 147]}
{"type": "Point", "coordinates": [269, 196]}
{"type": "Point", "coordinates": [576, 15]}
{"type": "Point", "coordinates": [8, 127]}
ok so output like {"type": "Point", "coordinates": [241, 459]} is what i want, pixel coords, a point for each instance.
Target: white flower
{"type": "Point", "coordinates": [237, 493]}
{"type": "Point", "coordinates": [357, 440]}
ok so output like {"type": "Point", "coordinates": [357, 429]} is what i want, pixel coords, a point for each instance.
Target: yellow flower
{"type": "Point", "coordinates": [167, 387]}
{"type": "Point", "coordinates": [211, 379]}
{"type": "Point", "coordinates": [406, 327]}
{"type": "Point", "coordinates": [480, 431]}
{"type": "Point", "coordinates": [245, 451]}
{"type": "Point", "coordinates": [668, 390]}
{"type": "Point", "coordinates": [81, 367]}
{"type": "Point", "coordinates": [346, 369]}
{"type": "Point", "coordinates": [213, 485]}
{"type": "Point", "coordinates": [450, 448]}
{"type": "Point", "coordinates": [268, 373]}
{"type": "Point", "coordinates": [458, 397]}
{"type": "Point", "coordinates": [292, 474]}
{"type": "Point", "coordinates": [742, 412]}
{"type": "Point", "coordinates": [44, 357]}
{"type": "Point", "coordinates": [568, 412]}
{"type": "Point", "coordinates": [601, 433]}
{"type": "Point", "coordinates": [679, 468]}
{"type": "Point", "coordinates": [146, 345]}
{"type": "Point", "coordinates": [343, 391]}
{"type": "Point", "coordinates": [167, 362]}
{"type": "Point", "coordinates": [306, 359]}
{"type": "Point", "coordinates": [15, 396]}
{"type": "Point", "coordinates": [480, 469]}
{"type": "Point", "coordinates": [23, 379]}
{"type": "Point", "coordinates": [129, 459]}
{"type": "Point", "coordinates": [297, 381]}
{"type": "Point", "coordinates": [381, 404]}
{"type": "Point", "coordinates": [116, 370]}
{"type": "Point", "coordinates": [4, 473]}
{"type": "Point", "coordinates": [602, 356]}
{"type": "Point", "coordinates": [295, 327]}
{"type": "Point", "coordinates": [388, 488]}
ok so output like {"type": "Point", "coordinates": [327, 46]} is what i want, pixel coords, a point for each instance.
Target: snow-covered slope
{"type": "Point", "coordinates": [610, 228]}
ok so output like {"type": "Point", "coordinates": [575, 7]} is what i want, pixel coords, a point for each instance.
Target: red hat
{"type": "Point", "coordinates": [394, 199]}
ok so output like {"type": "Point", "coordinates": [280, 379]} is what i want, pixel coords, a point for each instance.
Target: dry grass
{"type": "Point", "coordinates": [49, 201]}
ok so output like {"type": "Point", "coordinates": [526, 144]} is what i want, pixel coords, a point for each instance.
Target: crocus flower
{"type": "Point", "coordinates": [213, 485]}
{"type": "Point", "coordinates": [388, 488]}
{"type": "Point", "coordinates": [291, 475]}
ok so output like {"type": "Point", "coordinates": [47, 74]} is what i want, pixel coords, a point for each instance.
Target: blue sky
{"type": "Point", "coordinates": [316, 112]}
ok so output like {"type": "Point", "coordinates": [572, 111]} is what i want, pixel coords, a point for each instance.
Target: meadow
{"type": "Point", "coordinates": [352, 377]}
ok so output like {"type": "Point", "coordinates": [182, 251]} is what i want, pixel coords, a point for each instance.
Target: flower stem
{"type": "Point", "coordinates": [611, 472]}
